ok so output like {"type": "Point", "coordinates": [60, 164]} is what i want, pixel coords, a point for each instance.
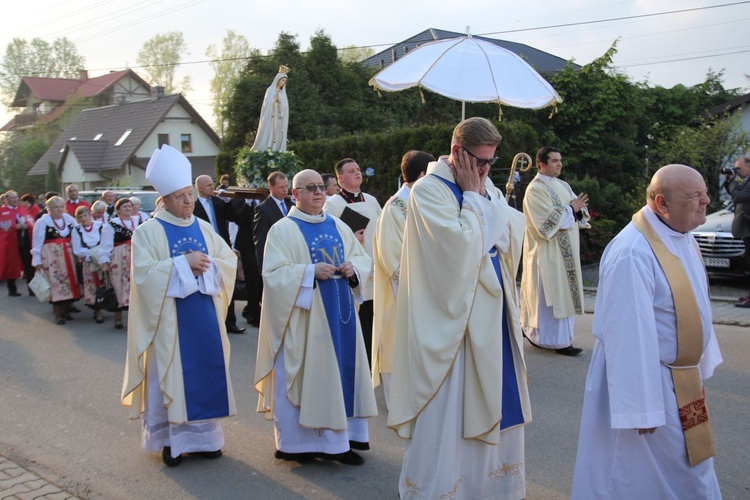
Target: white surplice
{"type": "Point", "coordinates": [629, 385]}
{"type": "Point", "coordinates": [386, 247]}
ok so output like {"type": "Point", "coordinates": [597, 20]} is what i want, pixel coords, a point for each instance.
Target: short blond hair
{"type": "Point", "coordinates": [476, 131]}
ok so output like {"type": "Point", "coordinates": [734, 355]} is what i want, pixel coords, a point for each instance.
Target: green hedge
{"type": "Point", "coordinates": [383, 151]}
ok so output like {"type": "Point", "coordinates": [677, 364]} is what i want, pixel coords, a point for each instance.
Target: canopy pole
{"type": "Point", "coordinates": [463, 110]}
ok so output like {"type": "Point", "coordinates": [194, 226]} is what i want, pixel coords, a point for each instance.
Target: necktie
{"type": "Point", "coordinates": [211, 215]}
{"type": "Point", "coordinates": [282, 206]}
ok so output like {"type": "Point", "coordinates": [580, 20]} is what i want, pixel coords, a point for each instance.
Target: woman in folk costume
{"type": "Point", "coordinates": [115, 251]}
{"type": "Point", "coordinates": [274, 116]}
{"type": "Point", "coordinates": [177, 364]}
{"type": "Point", "coordinates": [87, 236]}
{"type": "Point", "coordinates": [52, 254]}
{"type": "Point", "coordinates": [141, 217]}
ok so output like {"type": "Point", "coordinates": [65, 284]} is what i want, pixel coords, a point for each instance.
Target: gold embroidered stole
{"type": "Point", "coordinates": [685, 372]}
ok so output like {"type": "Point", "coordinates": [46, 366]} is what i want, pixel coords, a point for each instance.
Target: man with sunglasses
{"type": "Point", "coordinates": [458, 386]}
{"type": "Point", "coordinates": [311, 369]}
{"type": "Point", "coordinates": [551, 284]}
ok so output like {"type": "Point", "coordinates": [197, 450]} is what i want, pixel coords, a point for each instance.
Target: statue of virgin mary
{"type": "Point", "coordinates": [274, 116]}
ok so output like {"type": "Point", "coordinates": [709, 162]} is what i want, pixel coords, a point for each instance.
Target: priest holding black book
{"type": "Point", "coordinates": [352, 198]}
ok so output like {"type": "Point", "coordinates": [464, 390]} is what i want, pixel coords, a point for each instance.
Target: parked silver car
{"type": "Point", "coordinates": [148, 198]}
{"type": "Point", "coordinates": [723, 254]}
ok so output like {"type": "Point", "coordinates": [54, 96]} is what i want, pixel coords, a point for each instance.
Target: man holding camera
{"type": "Point", "coordinates": [739, 190]}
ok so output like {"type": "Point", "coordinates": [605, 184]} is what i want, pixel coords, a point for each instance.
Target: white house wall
{"type": "Point", "coordinates": [73, 173]}
{"type": "Point", "coordinates": [131, 89]}
{"type": "Point", "coordinates": [177, 122]}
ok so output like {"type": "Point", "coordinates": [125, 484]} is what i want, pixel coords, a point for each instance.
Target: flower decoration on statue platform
{"type": "Point", "coordinates": [253, 167]}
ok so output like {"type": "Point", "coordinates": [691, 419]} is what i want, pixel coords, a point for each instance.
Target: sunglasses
{"type": "Point", "coordinates": [481, 161]}
{"type": "Point", "coordinates": [311, 188]}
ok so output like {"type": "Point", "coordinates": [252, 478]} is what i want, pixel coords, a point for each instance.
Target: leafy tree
{"type": "Point", "coordinates": [708, 146]}
{"type": "Point", "coordinates": [19, 153]}
{"type": "Point", "coordinates": [37, 58]}
{"type": "Point", "coordinates": [227, 64]}
{"type": "Point", "coordinates": [160, 57]}
{"type": "Point", "coordinates": [354, 54]}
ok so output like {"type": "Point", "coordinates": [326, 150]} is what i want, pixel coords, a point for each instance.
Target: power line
{"type": "Point", "coordinates": [624, 18]}
{"type": "Point", "coordinates": [99, 20]}
{"type": "Point", "coordinates": [69, 14]}
{"type": "Point", "coordinates": [255, 56]}
{"type": "Point", "coordinates": [138, 21]}
{"type": "Point", "coordinates": [683, 59]}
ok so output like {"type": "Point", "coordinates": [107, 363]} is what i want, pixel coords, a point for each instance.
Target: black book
{"type": "Point", "coordinates": [354, 219]}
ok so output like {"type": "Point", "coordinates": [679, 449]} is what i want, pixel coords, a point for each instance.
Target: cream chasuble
{"type": "Point", "coordinates": [550, 254]}
{"type": "Point", "coordinates": [153, 315]}
{"type": "Point", "coordinates": [313, 381]}
{"type": "Point", "coordinates": [450, 298]}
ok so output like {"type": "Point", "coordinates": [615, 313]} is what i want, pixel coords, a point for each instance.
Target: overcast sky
{"type": "Point", "coordinates": [665, 50]}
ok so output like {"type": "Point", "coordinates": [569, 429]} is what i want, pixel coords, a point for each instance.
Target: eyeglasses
{"type": "Point", "coordinates": [481, 161]}
{"type": "Point", "coordinates": [311, 188]}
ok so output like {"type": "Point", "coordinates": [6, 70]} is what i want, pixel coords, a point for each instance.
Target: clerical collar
{"type": "Point", "coordinates": [668, 226]}
{"type": "Point", "coordinates": [351, 197]}
{"type": "Point", "coordinates": [321, 214]}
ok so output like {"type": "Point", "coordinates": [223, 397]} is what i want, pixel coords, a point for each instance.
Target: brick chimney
{"type": "Point", "coordinates": [83, 75]}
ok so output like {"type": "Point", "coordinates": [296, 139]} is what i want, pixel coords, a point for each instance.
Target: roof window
{"type": "Point", "coordinates": [124, 136]}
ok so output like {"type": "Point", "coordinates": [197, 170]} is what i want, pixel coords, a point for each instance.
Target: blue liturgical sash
{"type": "Point", "coordinates": [325, 245]}
{"type": "Point", "coordinates": [201, 350]}
{"type": "Point", "coordinates": [511, 399]}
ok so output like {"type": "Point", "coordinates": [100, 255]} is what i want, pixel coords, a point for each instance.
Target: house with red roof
{"type": "Point", "coordinates": [45, 100]}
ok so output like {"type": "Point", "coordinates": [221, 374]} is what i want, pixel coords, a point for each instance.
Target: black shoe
{"type": "Point", "coordinates": [208, 454]}
{"type": "Point", "coordinates": [254, 322]}
{"type": "Point", "coordinates": [294, 457]}
{"type": "Point", "coordinates": [358, 445]}
{"type": "Point", "coordinates": [73, 309]}
{"type": "Point", "coordinates": [166, 456]}
{"type": "Point", "coordinates": [14, 294]}
{"type": "Point", "coordinates": [347, 458]}
{"type": "Point", "coordinates": [569, 351]}
{"type": "Point", "coordinates": [31, 294]}
{"type": "Point", "coordinates": [235, 329]}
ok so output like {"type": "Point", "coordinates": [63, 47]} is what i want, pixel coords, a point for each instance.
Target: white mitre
{"type": "Point", "coordinates": [169, 170]}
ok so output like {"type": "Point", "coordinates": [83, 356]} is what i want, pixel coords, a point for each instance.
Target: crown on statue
{"type": "Point", "coordinates": [284, 69]}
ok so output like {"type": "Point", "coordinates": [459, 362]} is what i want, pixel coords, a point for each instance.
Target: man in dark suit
{"type": "Point", "coordinates": [218, 213]}
{"type": "Point", "coordinates": [737, 184]}
{"type": "Point", "coordinates": [273, 209]}
{"type": "Point", "coordinates": [109, 198]}
{"type": "Point", "coordinates": [244, 242]}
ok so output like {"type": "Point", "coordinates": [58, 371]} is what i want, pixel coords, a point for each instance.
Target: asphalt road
{"type": "Point", "coordinates": [60, 418]}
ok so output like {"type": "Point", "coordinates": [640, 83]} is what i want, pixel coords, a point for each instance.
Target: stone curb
{"type": "Point", "coordinates": [19, 483]}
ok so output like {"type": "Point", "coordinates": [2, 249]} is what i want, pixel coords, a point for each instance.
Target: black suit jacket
{"type": "Point", "coordinates": [223, 212]}
{"type": "Point", "coordinates": [740, 192]}
{"type": "Point", "coordinates": [244, 241]}
{"type": "Point", "coordinates": [266, 215]}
